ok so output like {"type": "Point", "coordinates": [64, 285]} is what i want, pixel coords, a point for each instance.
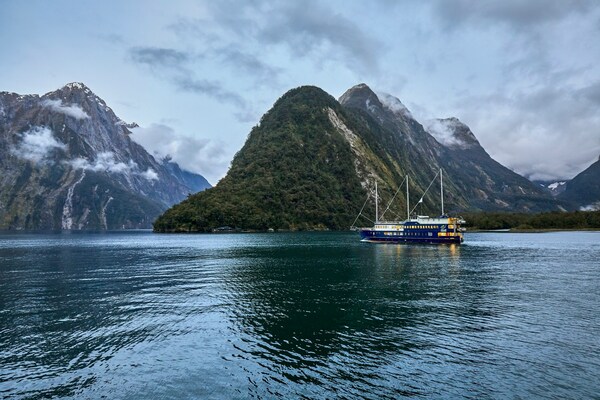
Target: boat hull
{"type": "Point", "coordinates": [374, 236]}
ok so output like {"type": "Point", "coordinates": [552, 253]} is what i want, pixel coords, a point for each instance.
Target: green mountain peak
{"type": "Point", "coordinates": [295, 171]}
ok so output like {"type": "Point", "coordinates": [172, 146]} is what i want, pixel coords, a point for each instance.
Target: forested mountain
{"type": "Point", "coordinates": [295, 171]}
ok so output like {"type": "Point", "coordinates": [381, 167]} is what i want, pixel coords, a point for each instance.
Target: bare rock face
{"type": "Point", "coordinates": [67, 162]}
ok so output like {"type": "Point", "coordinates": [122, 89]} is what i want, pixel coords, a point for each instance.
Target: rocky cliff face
{"type": "Point", "coordinates": [67, 162]}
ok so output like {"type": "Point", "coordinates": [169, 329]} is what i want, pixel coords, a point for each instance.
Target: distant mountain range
{"type": "Point", "coordinates": [580, 193]}
{"type": "Point", "coordinates": [474, 180]}
{"type": "Point", "coordinates": [584, 190]}
{"type": "Point", "coordinates": [68, 162]}
{"type": "Point", "coordinates": [554, 187]}
{"type": "Point", "coordinates": [312, 160]}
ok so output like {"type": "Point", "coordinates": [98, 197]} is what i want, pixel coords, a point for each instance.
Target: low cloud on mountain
{"type": "Point", "coordinates": [72, 110]}
{"type": "Point", "coordinates": [106, 162]}
{"type": "Point", "coordinates": [37, 145]}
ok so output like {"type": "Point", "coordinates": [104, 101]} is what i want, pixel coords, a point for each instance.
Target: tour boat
{"type": "Point", "coordinates": [418, 229]}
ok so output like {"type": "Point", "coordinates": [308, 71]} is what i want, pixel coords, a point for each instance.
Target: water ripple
{"type": "Point", "coordinates": [315, 315]}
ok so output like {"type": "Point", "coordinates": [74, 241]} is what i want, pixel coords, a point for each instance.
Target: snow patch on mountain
{"type": "Point", "coordinates": [75, 85]}
{"type": "Point", "coordinates": [37, 144]}
{"type": "Point", "coordinates": [72, 110]}
{"type": "Point", "coordinates": [555, 185]}
{"type": "Point", "coordinates": [132, 125]}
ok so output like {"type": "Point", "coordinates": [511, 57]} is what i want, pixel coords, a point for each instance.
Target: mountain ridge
{"type": "Point", "coordinates": [488, 185]}
{"type": "Point", "coordinates": [68, 162]}
{"type": "Point", "coordinates": [308, 143]}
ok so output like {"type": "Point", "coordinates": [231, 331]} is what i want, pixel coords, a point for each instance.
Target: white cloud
{"type": "Point", "coordinates": [150, 174]}
{"type": "Point", "coordinates": [193, 154]}
{"type": "Point", "coordinates": [394, 104]}
{"type": "Point", "coordinates": [73, 110]}
{"type": "Point", "coordinates": [37, 144]}
{"type": "Point", "coordinates": [443, 132]}
{"type": "Point", "coordinates": [106, 162]}
{"type": "Point", "coordinates": [591, 207]}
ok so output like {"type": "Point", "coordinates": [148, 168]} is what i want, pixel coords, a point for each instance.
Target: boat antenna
{"type": "Point", "coordinates": [376, 204]}
{"type": "Point", "coordinates": [392, 200]}
{"type": "Point", "coordinates": [426, 190]}
{"type": "Point", "coordinates": [442, 190]}
{"type": "Point", "coordinates": [407, 201]}
{"type": "Point", "coordinates": [360, 213]}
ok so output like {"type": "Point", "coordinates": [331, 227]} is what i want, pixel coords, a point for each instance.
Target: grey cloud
{"type": "Point", "coordinates": [591, 93]}
{"type": "Point", "coordinates": [112, 38]}
{"type": "Point", "coordinates": [303, 28]}
{"type": "Point", "coordinates": [218, 47]}
{"type": "Point", "coordinates": [159, 57]}
{"type": "Point", "coordinates": [250, 64]}
{"type": "Point", "coordinates": [211, 88]}
{"type": "Point", "coordinates": [174, 65]}
{"type": "Point", "coordinates": [540, 116]}
{"type": "Point", "coordinates": [544, 133]}
{"type": "Point", "coordinates": [306, 27]}
{"type": "Point", "coordinates": [517, 13]}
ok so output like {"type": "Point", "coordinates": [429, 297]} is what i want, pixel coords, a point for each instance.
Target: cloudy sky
{"type": "Point", "coordinates": [197, 75]}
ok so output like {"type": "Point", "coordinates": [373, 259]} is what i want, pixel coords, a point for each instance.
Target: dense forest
{"type": "Point", "coordinates": [293, 173]}
{"type": "Point", "coordinates": [523, 221]}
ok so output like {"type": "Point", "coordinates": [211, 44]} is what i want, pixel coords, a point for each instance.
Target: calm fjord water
{"type": "Point", "coordinates": [298, 315]}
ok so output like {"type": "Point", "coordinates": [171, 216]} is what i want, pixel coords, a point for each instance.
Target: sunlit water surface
{"type": "Point", "coordinates": [298, 315]}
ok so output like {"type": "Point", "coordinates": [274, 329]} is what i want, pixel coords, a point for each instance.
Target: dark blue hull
{"type": "Point", "coordinates": [380, 237]}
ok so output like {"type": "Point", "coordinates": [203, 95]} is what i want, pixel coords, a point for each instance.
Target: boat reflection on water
{"type": "Point", "coordinates": [314, 313]}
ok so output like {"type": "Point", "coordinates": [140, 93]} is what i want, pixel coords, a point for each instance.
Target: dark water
{"type": "Point", "coordinates": [305, 315]}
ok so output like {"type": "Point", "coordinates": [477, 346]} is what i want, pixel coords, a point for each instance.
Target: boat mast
{"type": "Point", "coordinates": [376, 205]}
{"type": "Point", "coordinates": [442, 190]}
{"type": "Point", "coordinates": [407, 201]}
